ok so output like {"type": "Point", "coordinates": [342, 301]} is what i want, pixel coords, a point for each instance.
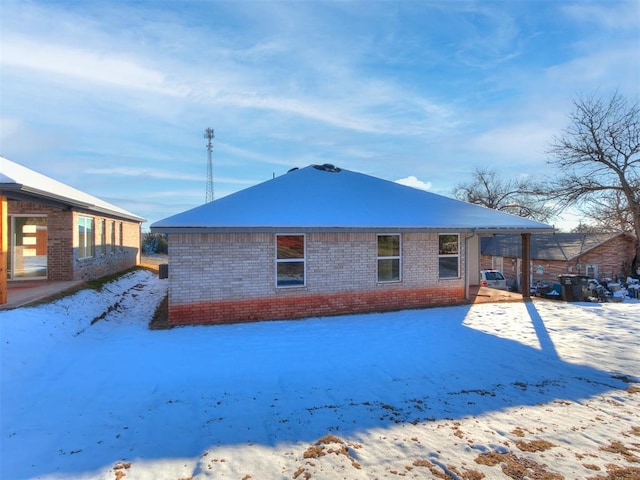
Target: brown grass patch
{"type": "Point", "coordinates": [614, 472]}
{"type": "Point", "coordinates": [320, 449]}
{"type": "Point", "coordinates": [519, 432]}
{"type": "Point", "coordinates": [516, 467]}
{"type": "Point", "coordinates": [534, 446]}
{"type": "Point", "coordinates": [620, 448]}
{"type": "Point", "coordinates": [434, 469]}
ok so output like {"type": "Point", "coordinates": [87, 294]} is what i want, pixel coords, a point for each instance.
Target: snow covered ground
{"type": "Point", "coordinates": [538, 390]}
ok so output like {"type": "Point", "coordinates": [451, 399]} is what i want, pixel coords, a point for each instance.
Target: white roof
{"type": "Point", "coordinates": [17, 181]}
{"type": "Point", "coordinates": [320, 198]}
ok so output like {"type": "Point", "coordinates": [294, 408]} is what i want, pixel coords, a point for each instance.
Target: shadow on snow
{"type": "Point", "coordinates": [129, 394]}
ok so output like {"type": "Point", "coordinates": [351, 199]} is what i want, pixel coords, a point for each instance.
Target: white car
{"type": "Point", "coordinates": [493, 279]}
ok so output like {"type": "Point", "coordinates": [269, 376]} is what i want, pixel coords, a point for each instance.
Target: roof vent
{"type": "Point", "coordinates": [327, 167]}
{"type": "Point", "coordinates": [292, 169]}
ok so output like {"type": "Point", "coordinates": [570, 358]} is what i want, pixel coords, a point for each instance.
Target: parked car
{"type": "Point", "coordinates": [493, 279]}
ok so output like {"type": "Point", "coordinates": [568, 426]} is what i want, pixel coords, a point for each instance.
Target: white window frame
{"type": "Point", "coordinates": [390, 257]}
{"type": "Point", "coordinates": [87, 251]}
{"type": "Point", "coordinates": [302, 260]}
{"type": "Point", "coordinates": [457, 255]}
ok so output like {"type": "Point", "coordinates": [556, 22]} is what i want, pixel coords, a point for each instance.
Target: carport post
{"type": "Point", "coordinates": [4, 235]}
{"type": "Point", "coordinates": [526, 265]}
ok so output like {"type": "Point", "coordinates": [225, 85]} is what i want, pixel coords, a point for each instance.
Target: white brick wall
{"type": "Point", "coordinates": [206, 267]}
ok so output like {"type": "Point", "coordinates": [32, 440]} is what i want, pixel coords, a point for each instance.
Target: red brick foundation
{"type": "Point", "coordinates": [290, 307]}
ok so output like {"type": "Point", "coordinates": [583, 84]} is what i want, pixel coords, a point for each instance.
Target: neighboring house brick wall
{"type": "Point", "coordinates": [121, 256]}
{"type": "Point", "coordinates": [63, 263]}
{"type": "Point", "coordinates": [59, 237]}
{"type": "Point", "coordinates": [613, 259]}
{"type": "Point", "coordinates": [224, 278]}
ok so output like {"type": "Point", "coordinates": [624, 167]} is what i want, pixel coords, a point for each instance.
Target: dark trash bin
{"type": "Point", "coordinates": [574, 287]}
{"type": "Point", "coordinates": [163, 270]}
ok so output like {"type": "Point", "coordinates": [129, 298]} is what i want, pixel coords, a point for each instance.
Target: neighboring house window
{"type": "Point", "coordinates": [448, 256]}
{"type": "Point", "coordinates": [113, 237]}
{"type": "Point", "coordinates": [389, 258]}
{"type": "Point", "coordinates": [120, 235]}
{"type": "Point", "coordinates": [86, 238]}
{"type": "Point", "coordinates": [103, 236]}
{"type": "Point", "coordinates": [290, 260]}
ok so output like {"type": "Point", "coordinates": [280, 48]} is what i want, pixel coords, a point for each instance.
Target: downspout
{"type": "Point", "coordinates": [467, 297]}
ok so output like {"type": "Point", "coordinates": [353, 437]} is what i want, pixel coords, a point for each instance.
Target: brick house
{"type": "Point", "coordinates": [325, 241]}
{"type": "Point", "coordinates": [51, 231]}
{"type": "Point", "coordinates": [596, 255]}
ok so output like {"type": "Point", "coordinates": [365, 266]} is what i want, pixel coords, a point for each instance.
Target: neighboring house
{"type": "Point", "coordinates": [596, 255]}
{"type": "Point", "coordinates": [51, 231]}
{"type": "Point", "coordinates": [324, 241]}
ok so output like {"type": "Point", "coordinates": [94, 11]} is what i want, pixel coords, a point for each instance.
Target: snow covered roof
{"type": "Point", "coordinates": [550, 246]}
{"type": "Point", "coordinates": [19, 182]}
{"type": "Point", "coordinates": [326, 198]}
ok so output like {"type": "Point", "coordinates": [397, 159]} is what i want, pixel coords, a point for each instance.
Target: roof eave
{"type": "Point", "coordinates": [319, 229]}
{"type": "Point", "coordinates": [22, 192]}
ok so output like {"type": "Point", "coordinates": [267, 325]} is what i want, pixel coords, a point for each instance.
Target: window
{"type": "Point", "coordinates": [103, 236]}
{"type": "Point", "coordinates": [448, 256]}
{"type": "Point", "coordinates": [290, 260]}
{"type": "Point", "coordinates": [85, 237]}
{"type": "Point", "coordinates": [120, 235]}
{"type": "Point", "coordinates": [388, 258]}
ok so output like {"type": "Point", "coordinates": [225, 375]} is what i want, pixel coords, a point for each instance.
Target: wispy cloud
{"type": "Point", "coordinates": [404, 89]}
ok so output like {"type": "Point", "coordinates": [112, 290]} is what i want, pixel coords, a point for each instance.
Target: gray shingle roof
{"type": "Point", "coordinates": [321, 199]}
{"type": "Point", "coordinates": [545, 246]}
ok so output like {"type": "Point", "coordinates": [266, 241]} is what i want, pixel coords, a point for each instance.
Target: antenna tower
{"type": "Point", "coordinates": [209, 135]}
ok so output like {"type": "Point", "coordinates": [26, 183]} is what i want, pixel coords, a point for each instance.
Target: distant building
{"type": "Point", "coordinates": [596, 255]}
{"type": "Point", "coordinates": [325, 241]}
{"type": "Point", "coordinates": [51, 231]}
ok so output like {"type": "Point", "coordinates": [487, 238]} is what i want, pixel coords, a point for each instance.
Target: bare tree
{"type": "Point", "coordinates": [597, 158]}
{"type": "Point", "coordinates": [609, 213]}
{"type": "Point", "coordinates": [519, 197]}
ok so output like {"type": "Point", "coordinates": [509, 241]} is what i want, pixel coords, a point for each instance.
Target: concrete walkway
{"type": "Point", "coordinates": [23, 293]}
{"type": "Point", "coordinates": [492, 295]}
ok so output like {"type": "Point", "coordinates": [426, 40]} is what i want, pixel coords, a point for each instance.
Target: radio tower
{"type": "Point", "coordinates": [208, 134]}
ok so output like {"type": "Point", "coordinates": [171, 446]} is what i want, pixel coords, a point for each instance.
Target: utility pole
{"type": "Point", "coordinates": [208, 134]}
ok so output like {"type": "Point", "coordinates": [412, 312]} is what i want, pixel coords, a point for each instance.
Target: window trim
{"type": "Point", "coordinates": [302, 260]}
{"type": "Point", "coordinates": [391, 257]}
{"type": "Point", "coordinates": [444, 255]}
{"type": "Point", "coordinates": [89, 250]}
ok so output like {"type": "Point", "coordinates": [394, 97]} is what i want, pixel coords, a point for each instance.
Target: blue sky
{"type": "Point", "coordinates": [113, 97]}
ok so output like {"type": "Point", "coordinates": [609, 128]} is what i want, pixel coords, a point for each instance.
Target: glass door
{"type": "Point", "coordinates": [28, 252]}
